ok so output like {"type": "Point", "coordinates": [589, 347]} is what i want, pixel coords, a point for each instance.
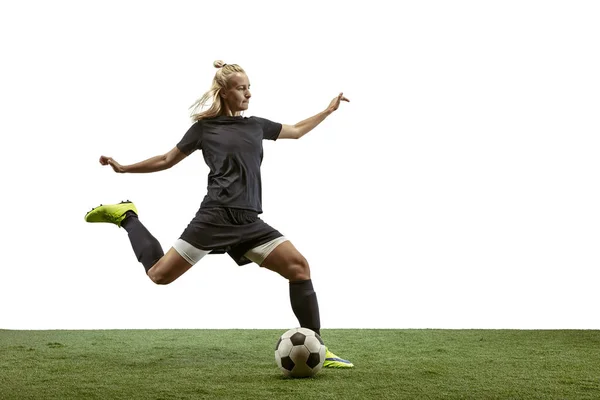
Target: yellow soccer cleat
{"type": "Point", "coordinates": [112, 213]}
{"type": "Point", "coordinates": [333, 361]}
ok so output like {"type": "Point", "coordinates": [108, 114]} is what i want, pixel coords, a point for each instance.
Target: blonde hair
{"type": "Point", "coordinates": [220, 82]}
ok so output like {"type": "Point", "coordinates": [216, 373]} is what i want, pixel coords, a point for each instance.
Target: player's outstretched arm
{"type": "Point", "coordinates": [153, 164]}
{"type": "Point", "coordinates": [303, 127]}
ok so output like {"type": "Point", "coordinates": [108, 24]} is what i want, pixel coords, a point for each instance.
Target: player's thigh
{"type": "Point", "coordinates": [170, 267]}
{"type": "Point", "coordinates": [288, 262]}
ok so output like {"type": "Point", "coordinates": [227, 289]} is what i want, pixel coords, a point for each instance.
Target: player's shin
{"type": "Point", "coordinates": [305, 305]}
{"type": "Point", "coordinates": [145, 246]}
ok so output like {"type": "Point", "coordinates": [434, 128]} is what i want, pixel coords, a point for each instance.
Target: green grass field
{"type": "Point", "coordinates": [239, 364]}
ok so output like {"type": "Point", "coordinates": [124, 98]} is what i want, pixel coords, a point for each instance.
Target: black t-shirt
{"type": "Point", "coordinates": [232, 149]}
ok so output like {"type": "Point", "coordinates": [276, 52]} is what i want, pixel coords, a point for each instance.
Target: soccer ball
{"type": "Point", "coordinates": [300, 353]}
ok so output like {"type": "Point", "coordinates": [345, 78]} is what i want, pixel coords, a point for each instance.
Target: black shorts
{"type": "Point", "coordinates": [228, 230]}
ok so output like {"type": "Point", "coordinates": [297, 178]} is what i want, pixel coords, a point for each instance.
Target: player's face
{"type": "Point", "coordinates": [237, 96]}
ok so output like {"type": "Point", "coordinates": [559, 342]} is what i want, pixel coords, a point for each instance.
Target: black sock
{"type": "Point", "coordinates": [305, 305]}
{"type": "Point", "coordinates": [145, 246]}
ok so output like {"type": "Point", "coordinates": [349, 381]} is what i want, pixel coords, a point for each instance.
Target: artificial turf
{"type": "Point", "coordinates": [240, 364]}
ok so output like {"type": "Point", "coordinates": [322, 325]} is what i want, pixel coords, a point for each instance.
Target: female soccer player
{"type": "Point", "coordinates": [227, 221]}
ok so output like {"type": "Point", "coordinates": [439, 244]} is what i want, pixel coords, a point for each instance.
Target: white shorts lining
{"type": "Point", "coordinates": [258, 254]}
{"type": "Point", "coordinates": [189, 252]}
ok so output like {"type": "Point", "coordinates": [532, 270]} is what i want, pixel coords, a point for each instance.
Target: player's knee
{"type": "Point", "coordinates": [159, 278]}
{"type": "Point", "coordinates": [299, 269]}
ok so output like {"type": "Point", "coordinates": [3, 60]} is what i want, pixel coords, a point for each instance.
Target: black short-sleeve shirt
{"type": "Point", "coordinates": [232, 149]}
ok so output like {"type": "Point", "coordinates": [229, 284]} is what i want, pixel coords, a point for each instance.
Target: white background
{"type": "Point", "coordinates": [457, 189]}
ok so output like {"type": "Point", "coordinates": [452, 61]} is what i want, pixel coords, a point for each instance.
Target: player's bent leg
{"type": "Point", "coordinates": [170, 267]}
{"type": "Point", "coordinates": [287, 261]}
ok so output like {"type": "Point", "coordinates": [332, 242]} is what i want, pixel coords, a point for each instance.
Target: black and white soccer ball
{"type": "Point", "coordinates": [300, 353]}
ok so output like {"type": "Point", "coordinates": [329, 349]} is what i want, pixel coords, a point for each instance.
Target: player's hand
{"type": "Point", "coordinates": [335, 103]}
{"type": "Point", "coordinates": [109, 161]}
